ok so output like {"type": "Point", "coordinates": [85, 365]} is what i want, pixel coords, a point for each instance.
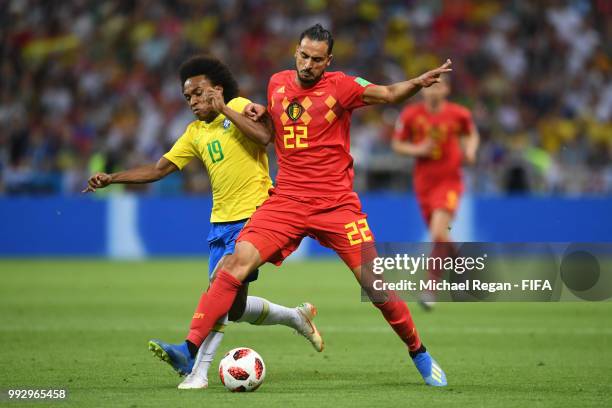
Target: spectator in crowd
{"type": "Point", "coordinates": [91, 86]}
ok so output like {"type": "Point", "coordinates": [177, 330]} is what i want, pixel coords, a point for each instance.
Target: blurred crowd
{"type": "Point", "coordinates": [91, 86]}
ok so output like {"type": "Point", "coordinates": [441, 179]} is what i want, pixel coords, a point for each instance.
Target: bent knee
{"type": "Point", "coordinates": [241, 263]}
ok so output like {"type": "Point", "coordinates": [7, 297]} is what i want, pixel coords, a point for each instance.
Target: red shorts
{"type": "Point", "coordinates": [444, 195]}
{"type": "Point", "coordinates": [278, 226]}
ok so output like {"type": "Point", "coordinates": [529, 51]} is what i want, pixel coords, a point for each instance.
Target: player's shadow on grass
{"type": "Point", "coordinates": [331, 381]}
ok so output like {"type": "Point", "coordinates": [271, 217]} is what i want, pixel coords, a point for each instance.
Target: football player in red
{"type": "Point", "coordinates": [310, 112]}
{"type": "Point", "coordinates": [433, 132]}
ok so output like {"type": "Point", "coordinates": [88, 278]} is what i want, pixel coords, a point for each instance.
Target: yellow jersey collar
{"type": "Point", "coordinates": [215, 122]}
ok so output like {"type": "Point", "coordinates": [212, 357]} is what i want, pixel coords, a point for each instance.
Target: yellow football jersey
{"type": "Point", "coordinates": [237, 166]}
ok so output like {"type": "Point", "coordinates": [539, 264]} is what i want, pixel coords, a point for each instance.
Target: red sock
{"type": "Point", "coordinates": [398, 316]}
{"type": "Point", "coordinates": [213, 304]}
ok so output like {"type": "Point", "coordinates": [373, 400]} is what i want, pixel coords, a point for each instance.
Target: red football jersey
{"type": "Point", "coordinates": [312, 132]}
{"type": "Point", "coordinates": [444, 127]}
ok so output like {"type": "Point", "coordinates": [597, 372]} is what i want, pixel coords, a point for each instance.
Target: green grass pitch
{"type": "Point", "coordinates": [84, 325]}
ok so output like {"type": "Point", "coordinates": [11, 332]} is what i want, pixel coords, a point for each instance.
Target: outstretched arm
{"type": "Point", "coordinates": [400, 91]}
{"type": "Point", "coordinates": [258, 131]}
{"type": "Point", "coordinates": [143, 174]}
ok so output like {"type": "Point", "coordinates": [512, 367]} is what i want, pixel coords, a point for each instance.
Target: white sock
{"type": "Point", "coordinates": [260, 311]}
{"type": "Point", "coordinates": [208, 349]}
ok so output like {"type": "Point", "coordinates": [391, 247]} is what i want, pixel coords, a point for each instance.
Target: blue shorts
{"type": "Point", "coordinates": [221, 242]}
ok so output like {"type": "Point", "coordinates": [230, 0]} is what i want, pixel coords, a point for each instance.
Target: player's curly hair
{"type": "Point", "coordinates": [318, 33]}
{"type": "Point", "coordinates": [213, 69]}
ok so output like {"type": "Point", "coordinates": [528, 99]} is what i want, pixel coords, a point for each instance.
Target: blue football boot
{"type": "Point", "coordinates": [430, 370]}
{"type": "Point", "coordinates": [177, 355]}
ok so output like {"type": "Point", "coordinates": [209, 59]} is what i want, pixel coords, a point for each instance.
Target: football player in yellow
{"type": "Point", "coordinates": [232, 148]}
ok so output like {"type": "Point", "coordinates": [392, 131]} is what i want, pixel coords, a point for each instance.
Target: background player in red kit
{"type": "Point", "coordinates": [310, 110]}
{"type": "Point", "coordinates": [431, 132]}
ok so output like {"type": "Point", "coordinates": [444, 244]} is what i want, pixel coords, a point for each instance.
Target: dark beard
{"type": "Point", "coordinates": [308, 81]}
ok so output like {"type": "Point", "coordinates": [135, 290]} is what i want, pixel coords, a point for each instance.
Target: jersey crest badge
{"type": "Point", "coordinates": [226, 123]}
{"type": "Point", "coordinates": [294, 110]}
